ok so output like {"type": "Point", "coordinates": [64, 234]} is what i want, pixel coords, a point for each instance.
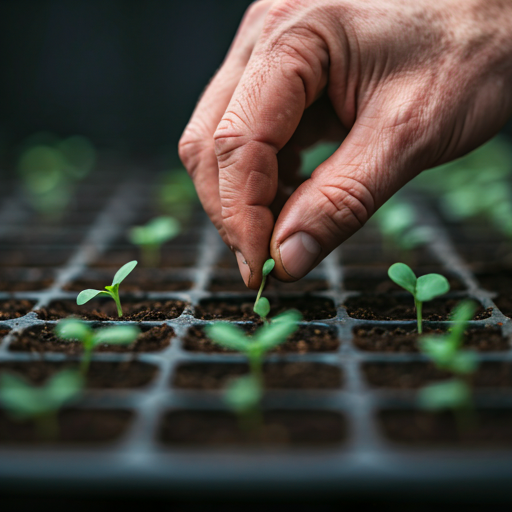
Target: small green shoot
{"type": "Point", "coordinates": [446, 354]}
{"type": "Point", "coordinates": [423, 288]}
{"type": "Point", "coordinates": [39, 403]}
{"type": "Point", "coordinates": [110, 291]}
{"type": "Point", "coordinates": [262, 305]}
{"type": "Point", "coordinates": [76, 330]}
{"type": "Point", "coordinates": [152, 236]}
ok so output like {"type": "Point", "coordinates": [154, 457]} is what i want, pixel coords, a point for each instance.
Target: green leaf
{"type": "Point", "coordinates": [452, 394]}
{"type": "Point", "coordinates": [262, 307]}
{"type": "Point", "coordinates": [123, 272]}
{"type": "Point", "coordinates": [430, 286]}
{"type": "Point", "coordinates": [156, 231]}
{"type": "Point", "coordinates": [438, 349]}
{"type": "Point", "coordinates": [73, 330]}
{"type": "Point", "coordinates": [464, 363]}
{"type": "Point", "coordinates": [19, 398]}
{"type": "Point", "coordinates": [277, 332]}
{"type": "Point", "coordinates": [461, 315]}
{"type": "Point", "coordinates": [63, 386]}
{"type": "Point", "coordinates": [403, 276]}
{"type": "Point", "coordinates": [120, 335]}
{"type": "Point", "coordinates": [243, 394]}
{"type": "Point", "coordinates": [268, 266]}
{"type": "Point", "coordinates": [229, 336]}
{"type": "Point", "coordinates": [395, 218]}
{"type": "Point", "coordinates": [86, 295]}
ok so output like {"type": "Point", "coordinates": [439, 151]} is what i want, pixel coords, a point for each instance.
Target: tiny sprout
{"type": "Point", "coordinates": [446, 354]}
{"type": "Point", "coordinates": [76, 330]}
{"type": "Point", "coordinates": [40, 403]}
{"type": "Point", "coordinates": [110, 291]}
{"type": "Point", "coordinates": [262, 305]}
{"type": "Point", "coordinates": [151, 237]}
{"type": "Point", "coordinates": [423, 288]}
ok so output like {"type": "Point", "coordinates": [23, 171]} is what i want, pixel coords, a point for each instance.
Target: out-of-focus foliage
{"type": "Point", "coordinates": [316, 155]}
{"type": "Point", "coordinates": [176, 194]}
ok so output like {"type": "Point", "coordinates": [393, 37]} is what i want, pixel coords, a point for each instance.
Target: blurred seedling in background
{"type": "Point", "coordinates": [446, 353]}
{"type": "Point", "coordinates": [24, 402]}
{"type": "Point", "coordinates": [243, 395]}
{"type": "Point", "coordinates": [423, 288]}
{"type": "Point", "coordinates": [315, 156]}
{"type": "Point", "coordinates": [261, 304]}
{"type": "Point", "coordinates": [176, 194]}
{"type": "Point", "coordinates": [76, 330]}
{"type": "Point", "coordinates": [110, 291]}
{"type": "Point", "coordinates": [50, 168]}
{"type": "Point", "coordinates": [152, 236]}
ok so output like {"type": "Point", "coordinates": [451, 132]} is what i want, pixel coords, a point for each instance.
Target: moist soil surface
{"type": "Point", "coordinates": [41, 338]}
{"type": "Point", "coordinates": [383, 284]}
{"type": "Point", "coordinates": [170, 258]}
{"type": "Point", "coordinates": [485, 427]}
{"type": "Point", "coordinates": [14, 308]}
{"type": "Point", "coordinates": [101, 374]}
{"type": "Point", "coordinates": [399, 339]}
{"type": "Point", "coordinates": [306, 339]}
{"type": "Point", "coordinates": [279, 428]}
{"type": "Point", "coordinates": [34, 258]}
{"type": "Point", "coordinates": [106, 310]}
{"type": "Point", "coordinates": [390, 307]}
{"type": "Point", "coordinates": [75, 426]}
{"type": "Point", "coordinates": [25, 279]}
{"type": "Point", "coordinates": [236, 284]}
{"type": "Point", "coordinates": [311, 308]}
{"type": "Point", "coordinates": [285, 375]}
{"type": "Point", "coordinates": [142, 284]}
{"type": "Point", "coordinates": [373, 255]}
{"type": "Point", "coordinates": [490, 374]}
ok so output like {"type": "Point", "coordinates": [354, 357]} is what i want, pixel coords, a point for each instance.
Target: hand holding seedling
{"type": "Point", "coordinates": [423, 289]}
{"type": "Point", "coordinates": [76, 330]}
{"type": "Point", "coordinates": [300, 72]}
{"type": "Point", "coordinates": [152, 236]}
{"type": "Point", "coordinates": [40, 403]}
{"type": "Point", "coordinates": [261, 304]}
{"type": "Point", "coordinates": [110, 291]}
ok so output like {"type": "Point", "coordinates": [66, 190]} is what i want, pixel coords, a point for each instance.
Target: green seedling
{"type": "Point", "coordinates": [23, 401]}
{"type": "Point", "coordinates": [423, 288]}
{"type": "Point", "coordinates": [244, 394]}
{"type": "Point", "coordinates": [261, 304]}
{"type": "Point", "coordinates": [176, 194]}
{"type": "Point", "coordinates": [76, 330]}
{"type": "Point", "coordinates": [446, 354]}
{"type": "Point", "coordinates": [110, 291]}
{"type": "Point", "coordinates": [315, 156]}
{"type": "Point", "coordinates": [152, 236]}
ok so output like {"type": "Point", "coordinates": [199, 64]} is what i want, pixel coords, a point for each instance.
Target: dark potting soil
{"type": "Point", "coordinates": [170, 257]}
{"type": "Point", "coordinates": [281, 427]}
{"type": "Point", "coordinates": [504, 304]}
{"type": "Point", "coordinates": [400, 339]}
{"type": "Point", "coordinates": [76, 426]}
{"type": "Point", "coordinates": [282, 375]}
{"type": "Point", "coordinates": [41, 338]}
{"type": "Point", "coordinates": [14, 308]}
{"type": "Point", "coordinates": [34, 258]}
{"type": "Point", "coordinates": [106, 310]}
{"type": "Point", "coordinates": [486, 427]}
{"type": "Point", "coordinates": [306, 339]}
{"type": "Point", "coordinates": [220, 284]}
{"type": "Point", "coordinates": [3, 332]}
{"type": "Point", "coordinates": [25, 279]}
{"type": "Point", "coordinates": [490, 374]}
{"type": "Point", "coordinates": [373, 255]}
{"type": "Point", "coordinates": [142, 284]}
{"type": "Point", "coordinates": [383, 284]}
{"type": "Point", "coordinates": [311, 308]}
{"type": "Point", "coordinates": [101, 374]}
{"type": "Point", "coordinates": [390, 307]}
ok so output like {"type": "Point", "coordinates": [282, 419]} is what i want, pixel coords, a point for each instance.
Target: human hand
{"type": "Point", "coordinates": [412, 84]}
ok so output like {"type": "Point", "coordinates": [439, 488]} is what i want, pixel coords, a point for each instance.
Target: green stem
{"type": "Point", "coordinates": [86, 361]}
{"type": "Point", "coordinates": [151, 255]}
{"type": "Point", "coordinates": [419, 306]}
{"type": "Point", "coordinates": [263, 280]}
{"type": "Point", "coordinates": [115, 296]}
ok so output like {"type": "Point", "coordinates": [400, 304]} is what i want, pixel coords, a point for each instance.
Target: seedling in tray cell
{"type": "Point", "coordinates": [76, 330]}
{"type": "Point", "coordinates": [110, 291]}
{"type": "Point", "coordinates": [446, 354]}
{"type": "Point", "coordinates": [23, 402]}
{"type": "Point", "coordinates": [423, 288]}
{"type": "Point", "coordinates": [261, 304]}
{"type": "Point", "coordinates": [152, 236]}
{"type": "Point", "coordinates": [244, 395]}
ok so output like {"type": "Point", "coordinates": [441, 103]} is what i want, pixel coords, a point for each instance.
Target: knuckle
{"type": "Point", "coordinates": [228, 136]}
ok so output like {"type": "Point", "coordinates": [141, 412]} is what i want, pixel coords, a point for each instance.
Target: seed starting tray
{"type": "Point", "coordinates": [365, 461]}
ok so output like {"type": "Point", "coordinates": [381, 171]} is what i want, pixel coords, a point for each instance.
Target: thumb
{"type": "Point", "coordinates": [341, 195]}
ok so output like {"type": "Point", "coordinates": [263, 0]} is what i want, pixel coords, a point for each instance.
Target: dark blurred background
{"type": "Point", "coordinates": [125, 73]}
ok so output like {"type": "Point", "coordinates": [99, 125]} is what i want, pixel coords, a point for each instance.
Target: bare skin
{"type": "Point", "coordinates": [406, 84]}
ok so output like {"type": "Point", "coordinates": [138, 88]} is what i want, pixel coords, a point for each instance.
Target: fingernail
{"type": "Point", "coordinates": [298, 253]}
{"type": "Point", "coordinates": [244, 268]}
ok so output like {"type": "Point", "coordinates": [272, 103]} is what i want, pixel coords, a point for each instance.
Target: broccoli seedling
{"type": "Point", "coordinates": [110, 291]}
{"type": "Point", "coordinates": [23, 401]}
{"type": "Point", "coordinates": [244, 394]}
{"type": "Point", "coordinates": [76, 330]}
{"type": "Point", "coordinates": [261, 304]}
{"type": "Point", "coordinates": [151, 237]}
{"type": "Point", "coordinates": [446, 354]}
{"type": "Point", "coordinates": [423, 288]}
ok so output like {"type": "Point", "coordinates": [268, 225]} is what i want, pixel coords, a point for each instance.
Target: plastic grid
{"type": "Point", "coordinates": [366, 460]}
